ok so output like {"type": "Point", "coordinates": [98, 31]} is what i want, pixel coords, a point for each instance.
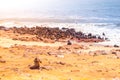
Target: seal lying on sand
{"type": "Point", "coordinates": [36, 65]}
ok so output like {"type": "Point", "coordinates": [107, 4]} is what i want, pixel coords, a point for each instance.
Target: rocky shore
{"type": "Point", "coordinates": [42, 33]}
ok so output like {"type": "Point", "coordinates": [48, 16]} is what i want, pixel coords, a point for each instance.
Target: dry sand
{"type": "Point", "coordinates": [74, 64]}
{"type": "Point", "coordinates": [6, 42]}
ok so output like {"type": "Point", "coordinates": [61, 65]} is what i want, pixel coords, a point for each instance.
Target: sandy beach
{"type": "Point", "coordinates": [79, 61]}
{"type": "Point", "coordinates": [59, 39]}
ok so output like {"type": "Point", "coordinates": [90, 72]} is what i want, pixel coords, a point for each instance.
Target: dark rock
{"type": "Point", "coordinates": [52, 53]}
{"type": "Point", "coordinates": [103, 34]}
{"type": "Point", "coordinates": [62, 63]}
{"type": "Point", "coordinates": [113, 52]}
{"type": "Point", "coordinates": [116, 46]}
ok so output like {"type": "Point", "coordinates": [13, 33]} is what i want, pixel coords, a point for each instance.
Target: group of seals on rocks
{"type": "Point", "coordinates": [42, 32]}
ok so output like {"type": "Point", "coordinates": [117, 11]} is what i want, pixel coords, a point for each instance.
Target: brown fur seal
{"type": "Point", "coordinates": [36, 65]}
{"type": "Point", "coordinates": [69, 42]}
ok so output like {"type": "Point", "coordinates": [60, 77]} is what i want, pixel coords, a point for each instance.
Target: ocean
{"type": "Point", "coordinates": [89, 16]}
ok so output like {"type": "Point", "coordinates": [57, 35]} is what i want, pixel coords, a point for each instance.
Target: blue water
{"type": "Point", "coordinates": [88, 11]}
{"type": "Point", "coordinates": [100, 11]}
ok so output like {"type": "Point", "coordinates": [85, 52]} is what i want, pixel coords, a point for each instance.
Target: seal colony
{"type": "Point", "coordinates": [55, 34]}
{"type": "Point", "coordinates": [75, 57]}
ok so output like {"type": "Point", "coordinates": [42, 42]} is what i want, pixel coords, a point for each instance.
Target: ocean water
{"type": "Point", "coordinates": [89, 16]}
{"type": "Point", "coordinates": [83, 11]}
